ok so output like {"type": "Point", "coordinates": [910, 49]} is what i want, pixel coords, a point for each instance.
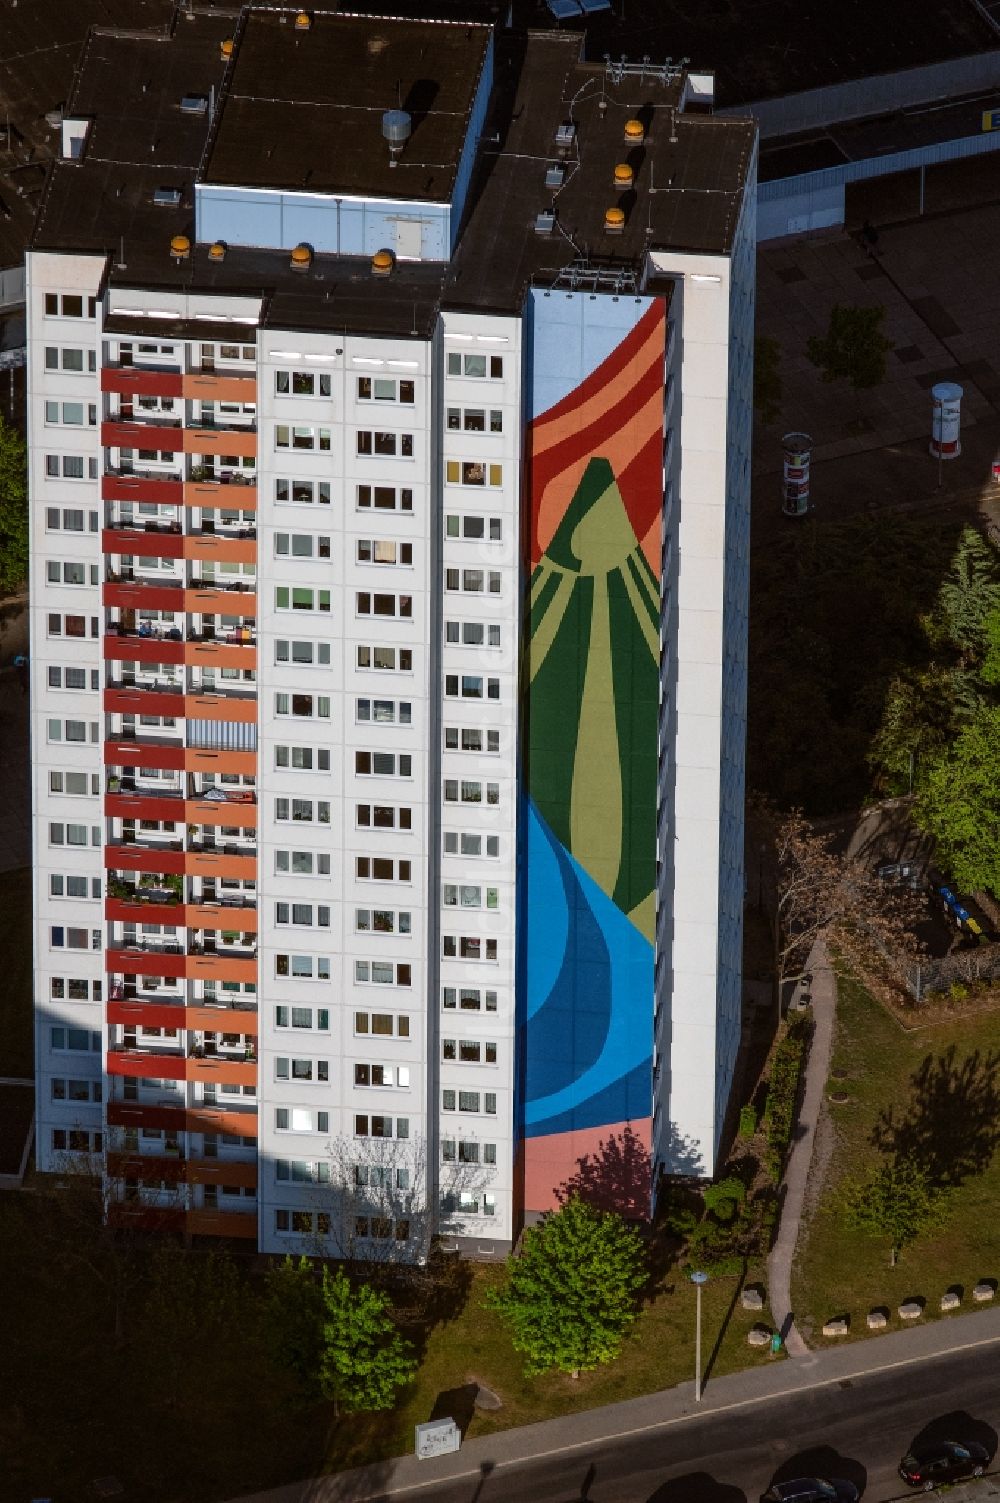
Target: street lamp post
{"type": "Point", "coordinates": [698, 1279]}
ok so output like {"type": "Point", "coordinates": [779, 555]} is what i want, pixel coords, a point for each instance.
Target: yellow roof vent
{"type": "Point", "coordinates": [614, 221]}
{"type": "Point", "coordinates": [180, 247]}
{"type": "Point", "coordinates": [634, 131]}
{"type": "Point", "coordinates": [303, 21]}
{"type": "Point", "coordinates": [624, 176]}
{"type": "Point", "coordinates": [382, 263]}
{"type": "Point", "coordinates": [226, 49]}
{"type": "Point", "coordinates": [301, 257]}
{"type": "Point", "coordinates": [217, 250]}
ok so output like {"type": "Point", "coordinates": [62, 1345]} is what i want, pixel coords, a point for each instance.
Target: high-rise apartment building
{"type": "Point", "coordinates": [389, 403]}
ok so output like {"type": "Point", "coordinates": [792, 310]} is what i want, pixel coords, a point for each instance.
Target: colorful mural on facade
{"type": "Point", "coordinates": [589, 826]}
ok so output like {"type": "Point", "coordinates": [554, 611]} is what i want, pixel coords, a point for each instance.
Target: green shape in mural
{"type": "Point", "coordinates": [593, 663]}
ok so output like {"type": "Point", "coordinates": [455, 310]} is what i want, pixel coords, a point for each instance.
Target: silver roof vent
{"type": "Point", "coordinates": [545, 222]}
{"type": "Point", "coordinates": [397, 127]}
{"type": "Point", "coordinates": [167, 198]}
{"type": "Point", "coordinates": [555, 175]}
{"type": "Point", "coordinates": [194, 104]}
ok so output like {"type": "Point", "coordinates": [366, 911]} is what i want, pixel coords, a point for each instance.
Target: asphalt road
{"type": "Point", "coordinates": [858, 1429]}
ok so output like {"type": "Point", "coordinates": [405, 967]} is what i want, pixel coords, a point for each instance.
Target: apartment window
{"type": "Point", "coordinates": [367, 604]}
{"type": "Point", "coordinates": [308, 1019]}
{"type": "Point", "coordinates": [457, 1151]}
{"type": "Point", "coordinates": [301, 758]}
{"type": "Point", "coordinates": [301, 598]}
{"type": "Point", "coordinates": [301, 384]}
{"type": "Point", "coordinates": [305, 811]}
{"type": "Point", "coordinates": [384, 551]}
{"type": "Point", "coordinates": [69, 519]}
{"type": "Point", "coordinates": [474, 419]}
{"type": "Point", "coordinates": [469, 1101]}
{"type": "Point", "coordinates": [386, 659]}
{"type": "Point", "coordinates": [67, 1089]}
{"type": "Point", "coordinates": [302, 967]}
{"type": "Point", "coordinates": [473, 581]}
{"type": "Point", "coordinates": [303, 1070]}
{"type": "Point", "coordinates": [470, 791]}
{"type": "Point", "coordinates": [385, 1025]}
{"type": "Point", "coordinates": [69, 885]}
{"type": "Point", "coordinates": [302, 492]}
{"type": "Point", "coordinates": [71, 360]}
{"type": "Point", "coordinates": [300, 1119]}
{"type": "Point", "coordinates": [73, 730]}
{"type": "Point", "coordinates": [468, 947]}
{"type": "Point", "coordinates": [69, 573]}
{"type": "Point", "coordinates": [307, 706]}
{"type": "Point", "coordinates": [383, 764]}
{"type": "Point", "coordinates": [74, 989]}
{"type": "Point", "coordinates": [302, 654]}
{"type": "Point", "coordinates": [472, 472]}
{"type": "Point", "coordinates": [292, 437]}
{"type": "Point", "coordinates": [301, 545]}
{"type": "Point", "coordinates": [471, 843]}
{"type": "Point", "coordinates": [71, 626]}
{"type": "Point", "coordinates": [302, 863]}
{"type": "Point", "coordinates": [302, 1223]}
{"type": "Point", "coordinates": [474, 528]}
{"type": "Point", "coordinates": [470, 686]}
{"type": "Point", "coordinates": [477, 367]}
{"type": "Point", "coordinates": [383, 817]}
{"type": "Point", "coordinates": [383, 711]}
{"type": "Point", "coordinates": [76, 1140]}
{"type": "Point", "coordinates": [381, 921]}
{"type": "Point", "coordinates": [74, 1040]}
{"type": "Point", "coordinates": [381, 869]}
{"type": "Point", "coordinates": [469, 895]}
{"type": "Point", "coordinates": [384, 444]}
{"type": "Point", "coordinates": [71, 414]}
{"type": "Point", "coordinates": [384, 498]}
{"type": "Point", "coordinates": [366, 1126]}
{"type": "Point", "coordinates": [73, 834]}
{"type": "Point", "coordinates": [80, 784]}
{"type": "Point", "coordinates": [73, 678]}
{"type": "Point", "coordinates": [471, 739]}
{"type": "Point", "coordinates": [468, 999]}
{"type": "Point", "coordinates": [69, 305]}
{"type": "Point", "coordinates": [389, 1076]}
{"type": "Point", "coordinates": [472, 633]}
{"type": "Point", "coordinates": [384, 389]}
{"type": "Point", "coordinates": [382, 973]}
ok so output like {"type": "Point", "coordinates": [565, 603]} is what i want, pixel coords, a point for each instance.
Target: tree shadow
{"type": "Point", "coordinates": [697, 1487]}
{"type": "Point", "coordinates": [958, 1425]}
{"type": "Point", "coordinates": [431, 1296]}
{"type": "Point", "coordinates": [615, 1178]}
{"type": "Point", "coordinates": [951, 1128]}
{"type": "Point", "coordinates": [822, 1461]}
{"type": "Point", "coordinates": [458, 1404]}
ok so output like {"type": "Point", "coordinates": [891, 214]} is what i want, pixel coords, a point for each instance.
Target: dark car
{"type": "Point", "coordinates": [812, 1490]}
{"type": "Point", "coordinates": [947, 1461]}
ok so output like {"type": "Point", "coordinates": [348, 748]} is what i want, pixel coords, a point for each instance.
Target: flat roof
{"type": "Point", "coordinates": [303, 109]}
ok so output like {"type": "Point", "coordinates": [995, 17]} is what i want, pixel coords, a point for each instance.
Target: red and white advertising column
{"type": "Point", "coordinates": [795, 474]}
{"type": "Point", "coordinates": [946, 424]}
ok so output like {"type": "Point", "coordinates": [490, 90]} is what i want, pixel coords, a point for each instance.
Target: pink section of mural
{"type": "Point", "coordinates": [609, 1165]}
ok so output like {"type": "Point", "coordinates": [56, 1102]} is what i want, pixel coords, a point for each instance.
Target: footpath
{"type": "Point", "coordinates": [592, 1428]}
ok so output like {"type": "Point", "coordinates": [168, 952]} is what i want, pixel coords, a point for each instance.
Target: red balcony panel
{"type": "Point", "coordinates": [181, 1119]}
{"type": "Point", "coordinates": [129, 753]}
{"type": "Point", "coordinates": [134, 1216]}
{"type": "Point", "coordinates": [139, 435]}
{"type": "Point", "coordinates": [147, 1166]}
{"type": "Point", "coordinates": [217, 548]}
{"type": "Point", "coordinates": [218, 707]}
{"type": "Point", "coordinates": [128, 381]}
{"type": "Point", "coordinates": [143, 1064]}
{"type": "Point", "coordinates": [219, 653]}
{"type": "Point", "coordinates": [222, 1224]}
{"type": "Point", "coordinates": [197, 760]}
{"type": "Point", "coordinates": [124, 961]}
{"type": "Point", "coordinates": [129, 648]}
{"type": "Point", "coordinates": [138, 596]}
{"type": "Point", "coordinates": [144, 806]}
{"type": "Point", "coordinates": [136, 540]}
{"type": "Point", "coordinates": [144, 702]}
{"type": "Point", "coordinates": [128, 1014]}
{"type": "Point", "coordinates": [213, 812]}
{"type": "Point", "coordinates": [165, 492]}
{"type": "Point", "coordinates": [240, 441]}
{"type": "Point", "coordinates": [214, 493]}
{"type": "Point", "coordinates": [205, 387]}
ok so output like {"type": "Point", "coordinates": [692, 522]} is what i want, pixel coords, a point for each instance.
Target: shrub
{"type": "Point", "coordinates": [782, 1095]}
{"type": "Point", "coordinates": [748, 1121]}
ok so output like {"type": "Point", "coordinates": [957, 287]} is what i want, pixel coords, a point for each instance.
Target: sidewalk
{"type": "Point", "coordinates": [594, 1427]}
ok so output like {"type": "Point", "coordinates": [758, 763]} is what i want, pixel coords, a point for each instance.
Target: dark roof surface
{"type": "Point", "coordinates": [304, 109]}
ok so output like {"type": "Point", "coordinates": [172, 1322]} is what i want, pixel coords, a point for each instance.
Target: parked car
{"type": "Point", "coordinates": [812, 1490]}
{"type": "Point", "coordinates": [947, 1461]}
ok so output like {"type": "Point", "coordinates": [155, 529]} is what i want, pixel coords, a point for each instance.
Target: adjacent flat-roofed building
{"type": "Point", "coordinates": [389, 404]}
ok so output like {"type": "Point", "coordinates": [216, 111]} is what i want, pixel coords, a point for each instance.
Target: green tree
{"type": "Point", "coordinates": [969, 596]}
{"type": "Point", "coordinates": [898, 1201]}
{"type": "Point", "coordinates": [853, 349]}
{"type": "Point", "coordinates": [293, 1320]}
{"type": "Point", "coordinates": [959, 803]}
{"type": "Point", "coordinates": [918, 723]}
{"type": "Point", "coordinates": [989, 673]}
{"type": "Point", "coordinates": [572, 1294]}
{"type": "Point", "coordinates": [767, 385]}
{"type": "Point", "coordinates": [13, 509]}
{"type": "Point", "coordinates": [364, 1360]}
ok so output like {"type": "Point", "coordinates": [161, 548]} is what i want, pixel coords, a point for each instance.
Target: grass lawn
{"type": "Point", "coordinates": [17, 1049]}
{"type": "Point", "coordinates": [474, 1346]}
{"type": "Point", "coordinates": [941, 1088]}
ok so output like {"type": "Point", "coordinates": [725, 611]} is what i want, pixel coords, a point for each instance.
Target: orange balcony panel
{"type": "Point", "coordinates": [212, 547]}
{"type": "Point", "coordinates": [126, 1013]}
{"type": "Point", "coordinates": [139, 435]}
{"type": "Point", "coordinates": [231, 917]}
{"type": "Point", "coordinates": [205, 387]}
{"type": "Point", "coordinates": [121, 911]}
{"type": "Point", "coordinates": [239, 441]}
{"type": "Point", "coordinates": [218, 707]}
{"type": "Point", "coordinates": [143, 1064]}
{"type": "Point", "coordinates": [218, 864]}
{"type": "Point", "coordinates": [129, 648]}
{"type": "Point", "coordinates": [222, 1224]}
{"type": "Point", "coordinates": [221, 1020]}
{"type": "Point", "coordinates": [131, 382]}
{"type": "Point", "coordinates": [221, 967]}
{"type": "Point", "coordinates": [128, 753]}
{"type": "Point", "coordinates": [196, 760]}
{"type": "Point", "coordinates": [224, 1071]}
{"type": "Point", "coordinates": [137, 596]}
{"type": "Point", "coordinates": [233, 815]}
{"type": "Point", "coordinates": [167, 492]}
{"type": "Point", "coordinates": [125, 961]}
{"type": "Point", "coordinates": [222, 1172]}
{"type": "Point", "coordinates": [136, 540]}
{"type": "Point", "coordinates": [144, 702]}
{"type": "Point", "coordinates": [216, 654]}
{"type": "Point", "coordinates": [206, 601]}
{"type": "Point", "coordinates": [143, 806]}
{"type": "Point", "coordinates": [134, 1216]}
{"type": "Point", "coordinates": [181, 1119]}
{"type": "Point", "coordinates": [215, 493]}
